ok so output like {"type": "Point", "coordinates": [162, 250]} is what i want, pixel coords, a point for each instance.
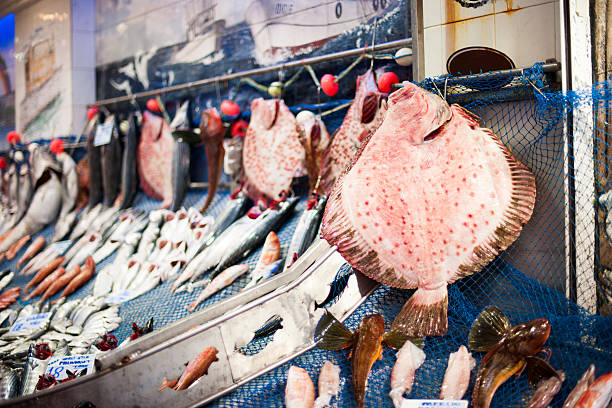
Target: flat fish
{"type": "Point", "coordinates": [315, 139]}
{"type": "Point", "coordinates": [129, 170]}
{"type": "Point", "coordinates": [272, 153]}
{"type": "Point", "coordinates": [363, 117]}
{"type": "Point", "coordinates": [94, 163]}
{"type": "Point", "coordinates": [431, 198]}
{"type": "Point", "coordinates": [111, 163]}
{"type": "Point", "coordinates": [154, 157]}
{"type": "Point", "coordinates": [211, 133]}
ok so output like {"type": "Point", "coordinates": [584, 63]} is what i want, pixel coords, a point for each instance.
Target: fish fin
{"type": "Point", "coordinates": [330, 334]}
{"type": "Point", "coordinates": [396, 340]}
{"type": "Point", "coordinates": [168, 384]}
{"type": "Point", "coordinates": [488, 329]}
{"type": "Point", "coordinates": [538, 369]}
{"type": "Point", "coordinates": [424, 314]}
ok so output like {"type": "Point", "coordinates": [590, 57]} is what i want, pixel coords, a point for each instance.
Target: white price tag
{"type": "Point", "coordinates": [416, 403]}
{"type": "Point", "coordinates": [30, 323]}
{"type": "Point", "coordinates": [103, 134]}
{"type": "Point", "coordinates": [120, 297]}
{"type": "Point", "coordinates": [62, 246]}
{"type": "Point", "coordinates": [58, 366]}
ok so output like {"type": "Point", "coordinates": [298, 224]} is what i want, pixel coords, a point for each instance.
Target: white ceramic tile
{"type": "Point", "coordinates": [79, 115]}
{"type": "Point", "coordinates": [83, 49]}
{"type": "Point", "coordinates": [507, 5]}
{"type": "Point", "coordinates": [83, 15]}
{"type": "Point", "coordinates": [475, 32]}
{"type": "Point", "coordinates": [432, 13]}
{"type": "Point", "coordinates": [432, 41]}
{"type": "Point", "coordinates": [557, 7]}
{"type": "Point", "coordinates": [452, 11]}
{"type": "Point", "coordinates": [83, 86]}
{"type": "Point", "coordinates": [527, 35]}
{"type": "Point", "coordinates": [165, 26]}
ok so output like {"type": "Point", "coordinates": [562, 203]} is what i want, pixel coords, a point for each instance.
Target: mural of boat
{"type": "Point", "coordinates": [281, 27]}
{"type": "Point", "coordinates": [203, 33]}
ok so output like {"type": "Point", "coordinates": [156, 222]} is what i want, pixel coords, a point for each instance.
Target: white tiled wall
{"type": "Point", "coordinates": [83, 60]}
{"type": "Point", "coordinates": [525, 30]}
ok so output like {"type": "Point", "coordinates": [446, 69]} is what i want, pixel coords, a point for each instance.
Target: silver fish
{"type": "Point", "coordinates": [129, 172]}
{"type": "Point", "coordinates": [305, 231]}
{"type": "Point", "coordinates": [9, 382]}
{"type": "Point", "coordinates": [6, 277]}
{"type": "Point", "coordinates": [85, 220]}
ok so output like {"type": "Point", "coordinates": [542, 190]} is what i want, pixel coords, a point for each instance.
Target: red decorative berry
{"type": "Point", "coordinates": [3, 163]}
{"type": "Point", "coordinates": [386, 81]}
{"type": "Point", "coordinates": [13, 137]}
{"type": "Point", "coordinates": [91, 112]}
{"type": "Point", "coordinates": [57, 146]}
{"type": "Point", "coordinates": [230, 108]}
{"type": "Point", "coordinates": [152, 105]}
{"type": "Point", "coordinates": [239, 128]}
{"type": "Point", "coordinates": [329, 85]}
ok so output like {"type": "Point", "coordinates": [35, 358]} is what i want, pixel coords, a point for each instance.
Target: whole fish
{"type": "Point", "coordinates": [434, 221]}
{"type": "Point", "coordinates": [129, 170]}
{"type": "Point", "coordinates": [93, 243]}
{"type": "Point", "coordinates": [9, 382]}
{"type": "Point", "coordinates": [9, 297]}
{"type": "Point", "coordinates": [507, 350]}
{"type": "Point", "coordinates": [70, 191]}
{"type": "Point", "coordinates": [94, 162]}
{"type": "Point", "coordinates": [232, 161]}
{"type": "Point", "coordinates": [195, 369]}
{"type": "Point", "coordinates": [299, 392]}
{"type": "Point", "coordinates": [111, 163]}
{"type": "Point", "coordinates": [270, 253]}
{"type": "Point", "coordinates": [6, 276]}
{"type": "Point", "coordinates": [22, 189]}
{"type": "Point", "coordinates": [32, 250]}
{"type": "Point", "coordinates": [363, 117]}
{"type": "Point", "coordinates": [315, 139]}
{"type": "Point", "coordinates": [180, 173]}
{"type": "Point", "coordinates": [85, 220]}
{"type": "Point", "coordinates": [337, 286]}
{"type": "Point", "coordinates": [211, 134]}
{"type": "Point", "coordinates": [272, 154]}
{"type": "Point", "coordinates": [46, 282]}
{"type": "Point", "coordinates": [43, 210]}
{"type": "Point", "coordinates": [581, 386]}
{"type": "Point", "coordinates": [9, 211]}
{"type": "Point", "coordinates": [61, 281]}
{"type": "Point", "coordinates": [154, 158]}
{"type": "Point", "coordinates": [12, 252]}
{"type": "Point", "coordinates": [457, 375]}
{"type": "Point", "coordinates": [366, 342]}
{"type": "Point", "coordinates": [409, 359]}
{"type": "Point", "coordinates": [546, 391]}
{"type": "Point", "coordinates": [43, 272]}
{"type": "Point", "coordinates": [329, 384]}
{"type": "Point", "coordinates": [81, 279]}
{"type": "Point", "coordinates": [598, 395]}
{"type": "Point", "coordinates": [223, 280]}
{"type": "Point", "coordinates": [234, 208]}
{"type": "Point", "coordinates": [83, 175]}
{"type": "Point", "coordinates": [306, 230]}
{"type": "Point", "coordinates": [265, 274]}
{"type": "Point", "coordinates": [253, 237]}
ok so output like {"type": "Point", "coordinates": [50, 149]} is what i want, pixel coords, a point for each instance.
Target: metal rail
{"type": "Point", "coordinates": [256, 71]}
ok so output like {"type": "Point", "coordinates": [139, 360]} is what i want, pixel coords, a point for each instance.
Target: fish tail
{"type": "Point", "coordinates": [397, 396]}
{"type": "Point", "coordinates": [488, 329]}
{"type": "Point", "coordinates": [424, 314]}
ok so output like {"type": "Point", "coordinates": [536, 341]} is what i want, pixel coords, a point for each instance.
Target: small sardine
{"type": "Point", "coordinates": [329, 384]}
{"type": "Point", "coordinates": [299, 392]}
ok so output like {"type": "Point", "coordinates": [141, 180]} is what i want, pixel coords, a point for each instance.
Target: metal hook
{"type": "Point", "coordinates": [445, 82]}
{"type": "Point", "coordinates": [373, 42]}
{"type": "Point", "coordinates": [437, 89]}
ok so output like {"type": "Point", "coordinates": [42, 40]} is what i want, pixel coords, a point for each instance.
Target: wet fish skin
{"type": "Point", "coordinates": [223, 280]}
{"type": "Point", "coordinates": [94, 161]}
{"type": "Point", "coordinates": [9, 382]}
{"type": "Point", "coordinates": [81, 279]}
{"type": "Point", "coordinates": [265, 274]}
{"type": "Point", "coordinates": [46, 282]}
{"type": "Point", "coordinates": [62, 281]}
{"type": "Point", "coordinates": [305, 231]}
{"type": "Point", "coordinates": [6, 277]}
{"type": "Point", "coordinates": [235, 208]}
{"type": "Point", "coordinates": [32, 250]}
{"type": "Point", "coordinates": [299, 392]}
{"type": "Point", "coordinates": [195, 369]}
{"type": "Point", "coordinates": [43, 272]}
{"type": "Point", "coordinates": [180, 173]}
{"type": "Point", "coordinates": [329, 384]}
{"type": "Point", "coordinates": [211, 133]}
{"type": "Point", "coordinates": [85, 220]}
{"type": "Point", "coordinates": [129, 171]}
{"type": "Point", "coordinates": [367, 349]}
{"type": "Point", "coordinates": [598, 395]}
{"type": "Point", "coordinates": [111, 164]}
{"type": "Point", "coordinates": [70, 183]}
{"type": "Point", "coordinates": [580, 388]}
{"type": "Point", "coordinates": [12, 252]}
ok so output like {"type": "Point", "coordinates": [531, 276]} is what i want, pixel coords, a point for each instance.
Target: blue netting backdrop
{"type": "Point", "coordinates": [527, 281]}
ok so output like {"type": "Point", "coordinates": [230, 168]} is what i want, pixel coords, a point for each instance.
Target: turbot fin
{"type": "Point", "coordinates": [331, 334]}
{"type": "Point", "coordinates": [424, 314]}
{"type": "Point", "coordinates": [396, 340]}
{"type": "Point", "coordinates": [488, 329]}
{"type": "Point", "coordinates": [538, 370]}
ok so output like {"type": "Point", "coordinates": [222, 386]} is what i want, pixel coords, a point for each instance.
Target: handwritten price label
{"type": "Point", "coordinates": [416, 403]}
{"type": "Point", "coordinates": [58, 366]}
{"type": "Point", "coordinates": [29, 323]}
{"type": "Point", "coordinates": [120, 297]}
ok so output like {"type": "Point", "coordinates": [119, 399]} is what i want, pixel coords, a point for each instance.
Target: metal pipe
{"type": "Point", "coordinates": [457, 80]}
{"type": "Point", "coordinates": [256, 71]}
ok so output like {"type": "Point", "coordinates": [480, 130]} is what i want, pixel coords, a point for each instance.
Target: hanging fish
{"type": "Point", "coordinates": [364, 116]}
{"type": "Point", "coordinates": [111, 163]}
{"type": "Point", "coordinates": [129, 170]}
{"type": "Point", "coordinates": [508, 349]}
{"type": "Point", "coordinates": [94, 164]}
{"type": "Point", "coordinates": [211, 134]}
{"type": "Point", "coordinates": [315, 139]}
{"type": "Point", "coordinates": [70, 192]}
{"type": "Point", "coordinates": [430, 198]}
{"type": "Point", "coordinates": [366, 342]}
{"type": "Point", "coordinates": [181, 128]}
